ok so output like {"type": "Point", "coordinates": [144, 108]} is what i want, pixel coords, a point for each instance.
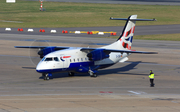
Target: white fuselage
{"type": "Point", "coordinates": [75, 60]}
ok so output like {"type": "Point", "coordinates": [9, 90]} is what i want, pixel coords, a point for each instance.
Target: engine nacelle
{"type": "Point", "coordinates": [46, 51]}
{"type": "Point", "coordinates": [97, 54]}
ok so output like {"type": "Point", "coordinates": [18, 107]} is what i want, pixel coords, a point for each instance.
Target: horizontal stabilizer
{"type": "Point", "coordinates": [125, 19]}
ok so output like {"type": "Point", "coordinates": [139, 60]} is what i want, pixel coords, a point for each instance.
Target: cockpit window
{"type": "Point", "coordinates": [48, 59]}
{"type": "Point", "coordinates": [43, 59]}
{"type": "Point", "coordinates": [56, 59]}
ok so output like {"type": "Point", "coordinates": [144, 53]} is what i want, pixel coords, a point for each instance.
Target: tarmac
{"type": "Point", "coordinates": [123, 87]}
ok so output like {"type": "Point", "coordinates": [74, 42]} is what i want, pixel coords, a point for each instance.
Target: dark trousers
{"type": "Point", "coordinates": [152, 82]}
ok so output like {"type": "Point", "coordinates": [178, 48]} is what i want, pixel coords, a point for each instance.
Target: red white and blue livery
{"type": "Point", "coordinates": [87, 60]}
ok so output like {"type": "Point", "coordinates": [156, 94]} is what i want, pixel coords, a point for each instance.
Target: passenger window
{"type": "Point", "coordinates": [81, 59]}
{"type": "Point", "coordinates": [70, 60]}
{"type": "Point", "coordinates": [48, 59]}
{"type": "Point", "coordinates": [74, 60]}
{"type": "Point", "coordinates": [56, 59]}
{"type": "Point", "coordinates": [78, 59]}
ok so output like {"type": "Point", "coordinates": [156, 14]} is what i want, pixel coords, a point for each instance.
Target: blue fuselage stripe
{"type": "Point", "coordinates": [76, 67]}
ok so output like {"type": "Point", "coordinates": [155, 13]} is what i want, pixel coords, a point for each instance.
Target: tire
{"type": "Point", "coordinates": [46, 77]}
{"type": "Point", "coordinates": [94, 75]}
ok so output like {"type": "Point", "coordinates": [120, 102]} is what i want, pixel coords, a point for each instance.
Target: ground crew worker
{"type": "Point", "coordinates": [151, 76]}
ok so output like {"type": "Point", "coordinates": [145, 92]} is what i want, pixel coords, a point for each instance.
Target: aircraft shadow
{"type": "Point", "coordinates": [121, 70]}
{"type": "Point", "coordinates": [29, 68]}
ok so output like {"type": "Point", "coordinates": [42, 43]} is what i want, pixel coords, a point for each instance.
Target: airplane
{"type": "Point", "coordinates": [57, 59]}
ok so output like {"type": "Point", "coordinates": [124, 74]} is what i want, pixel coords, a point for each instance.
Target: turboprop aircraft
{"type": "Point", "coordinates": [87, 60]}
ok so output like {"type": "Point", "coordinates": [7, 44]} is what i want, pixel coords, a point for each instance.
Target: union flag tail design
{"type": "Point", "coordinates": [128, 32]}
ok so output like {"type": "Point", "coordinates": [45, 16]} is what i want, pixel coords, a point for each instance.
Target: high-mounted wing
{"type": "Point", "coordinates": [42, 47]}
{"type": "Point", "coordinates": [95, 54]}
{"type": "Point", "coordinates": [44, 50]}
{"type": "Point", "coordinates": [116, 50]}
{"type": "Point", "coordinates": [129, 51]}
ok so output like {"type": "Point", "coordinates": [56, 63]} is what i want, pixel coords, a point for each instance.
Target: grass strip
{"type": "Point", "coordinates": [59, 14]}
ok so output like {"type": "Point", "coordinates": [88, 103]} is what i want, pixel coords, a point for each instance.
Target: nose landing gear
{"type": "Point", "coordinates": [46, 76]}
{"type": "Point", "coordinates": [71, 73]}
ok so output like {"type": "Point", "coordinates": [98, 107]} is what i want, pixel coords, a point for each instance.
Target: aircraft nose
{"type": "Point", "coordinates": [39, 67]}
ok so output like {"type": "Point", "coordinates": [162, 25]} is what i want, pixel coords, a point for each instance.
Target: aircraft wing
{"type": "Point", "coordinates": [44, 50]}
{"type": "Point", "coordinates": [42, 47]}
{"type": "Point", "coordinates": [115, 50]}
{"type": "Point", "coordinates": [86, 49]}
{"type": "Point", "coordinates": [129, 51]}
{"type": "Point", "coordinates": [31, 47]}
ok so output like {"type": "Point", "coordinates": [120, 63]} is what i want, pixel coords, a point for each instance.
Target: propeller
{"type": "Point", "coordinates": [35, 54]}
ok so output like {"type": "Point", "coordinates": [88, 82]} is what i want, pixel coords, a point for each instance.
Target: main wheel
{"type": "Point", "coordinates": [91, 74]}
{"type": "Point", "coordinates": [94, 75]}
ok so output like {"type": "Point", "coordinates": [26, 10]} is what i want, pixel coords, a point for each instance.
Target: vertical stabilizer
{"type": "Point", "coordinates": [124, 42]}
{"type": "Point", "coordinates": [128, 32]}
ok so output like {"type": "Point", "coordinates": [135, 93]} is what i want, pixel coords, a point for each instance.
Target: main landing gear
{"type": "Point", "coordinates": [46, 75]}
{"type": "Point", "coordinates": [92, 74]}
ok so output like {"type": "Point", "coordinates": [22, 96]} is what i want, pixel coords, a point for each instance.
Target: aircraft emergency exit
{"type": "Point", "coordinates": [87, 60]}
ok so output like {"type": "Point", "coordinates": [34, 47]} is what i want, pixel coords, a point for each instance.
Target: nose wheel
{"type": "Point", "coordinates": [46, 77]}
{"type": "Point", "coordinates": [71, 73]}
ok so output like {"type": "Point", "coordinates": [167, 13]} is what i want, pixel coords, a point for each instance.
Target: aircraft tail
{"type": "Point", "coordinates": [126, 37]}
